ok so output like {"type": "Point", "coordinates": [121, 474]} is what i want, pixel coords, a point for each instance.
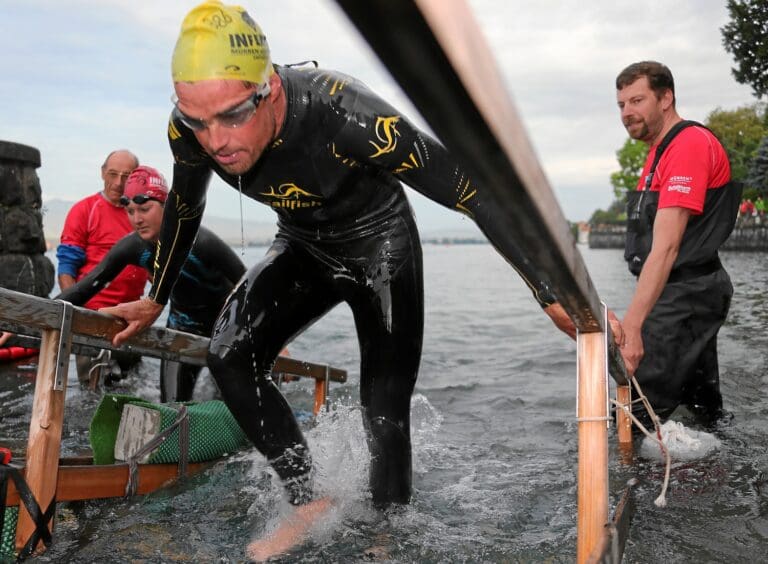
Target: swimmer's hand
{"type": "Point", "coordinates": [560, 318]}
{"type": "Point", "coordinates": [139, 315]}
{"type": "Point", "coordinates": [290, 532]}
{"type": "Point", "coordinates": [562, 321]}
{"type": "Point", "coordinates": [4, 336]}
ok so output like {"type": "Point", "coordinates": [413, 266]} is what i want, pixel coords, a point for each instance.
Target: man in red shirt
{"type": "Point", "coordinates": [684, 209]}
{"type": "Point", "coordinates": [91, 228]}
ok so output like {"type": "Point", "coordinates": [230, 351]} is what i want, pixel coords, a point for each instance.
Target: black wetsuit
{"type": "Point", "coordinates": [346, 233]}
{"type": "Point", "coordinates": [209, 273]}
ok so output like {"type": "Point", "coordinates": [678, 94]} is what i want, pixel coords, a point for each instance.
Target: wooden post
{"type": "Point", "coordinates": [623, 422]}
{"type": "Point", "coordinates": [44, 446]}
{"type": "Point", "coordinates": [624, 425]}
{"type": "Point", "coordinates": [593, 443]}
{"type": "Point", "coordinates": [320, 394]}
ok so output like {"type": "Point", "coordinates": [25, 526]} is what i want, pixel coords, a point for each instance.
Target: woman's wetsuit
{"type": "Point", "coordinates": [210, 272]}
{"type": "Point", "coordinates": [346, 233]}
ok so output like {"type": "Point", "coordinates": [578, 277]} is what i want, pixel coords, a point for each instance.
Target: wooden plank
{"type": "Point", "coordinates": [295, 367]}
{"type": "Point", "coordinates": [44, 436]}
{"type": "Point", "coordinates": [623, 422]}
{"type": "Point", "coordinates": [436, 51]}
{"type": "Point", "coordinates": [321, 393]}
{"type": "Point", "coordinates": [78, 480]}
{"type": "Point", "coordinates": [592, 416]}
{"type": "Point", "coordinates": [20, 312]}
{"type": "Point", "coordinates": [610, 548]}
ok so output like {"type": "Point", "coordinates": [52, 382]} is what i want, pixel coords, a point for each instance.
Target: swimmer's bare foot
{"type": "Point", "coordinates": [291, 532]}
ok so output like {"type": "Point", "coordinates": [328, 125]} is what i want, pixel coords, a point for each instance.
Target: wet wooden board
{"type": "Point", "coordinates": [610, 548]}
{"type": "Point", "coordinates": [437, 53]}
{"type": "Point", "coordinates": [91, 331]}
{"type": "Point", "coordinates": [81, 480]}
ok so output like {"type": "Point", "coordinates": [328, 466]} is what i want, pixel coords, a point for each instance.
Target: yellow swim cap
{"type": "Point", "coordinates": [220, 42]}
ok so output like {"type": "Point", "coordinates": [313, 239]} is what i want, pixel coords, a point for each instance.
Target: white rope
{"type": "Point", "coordinates": [660, 501]}
{"type": "Point", "coordinates": [242, 222]}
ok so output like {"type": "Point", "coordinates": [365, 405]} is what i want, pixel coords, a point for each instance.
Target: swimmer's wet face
{"type": "Point", "coordinates": [225, 84]}
{"type": "Point", "coordinates": [146, 218]}
{"type": "Point", "coordinates": [146, 190]}
{"type": "Point", "coordinates": [235, 149]}
{"type": "Point", "coordinates": [232, 118]}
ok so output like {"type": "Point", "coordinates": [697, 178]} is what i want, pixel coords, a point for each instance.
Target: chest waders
{"type": "Point", "coordinates": [680, 333]}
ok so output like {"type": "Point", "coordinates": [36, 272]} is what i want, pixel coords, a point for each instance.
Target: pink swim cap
{"type": "Point", "coordinates": [148, 182]}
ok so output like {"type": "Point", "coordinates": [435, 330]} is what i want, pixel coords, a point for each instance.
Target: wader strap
{"type": "Point", "coordinates": [40, 519]}
{"type": "Point", "coordinates": [182, 422]}
{"type": "Point", "coordinates": [671, 134]}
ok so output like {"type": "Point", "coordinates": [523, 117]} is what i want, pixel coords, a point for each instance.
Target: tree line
{"type": "Point", "coordinates": [743, 131]}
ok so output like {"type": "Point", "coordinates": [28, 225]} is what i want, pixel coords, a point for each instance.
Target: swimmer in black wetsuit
{"type": "Point", "coordinates": [328, 156]}
{"type": "Point", "coordinates": [207, 277]}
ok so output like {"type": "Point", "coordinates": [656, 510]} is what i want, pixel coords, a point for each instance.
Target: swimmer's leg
{"type": "Point", "coordinates": [177, 380]}
{"type": "Point", "coordinates": [275, 300]}
{"type": "Point", "coordinates": [389, 316]}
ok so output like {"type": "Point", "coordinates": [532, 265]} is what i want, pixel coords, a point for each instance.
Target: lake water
{"type": "Point", "coordinates": [494, 443]}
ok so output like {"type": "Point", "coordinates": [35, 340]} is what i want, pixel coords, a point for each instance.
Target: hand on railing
{"type": "Point", "coordinates": [632, 349]}
{"type": "Point", "coordinates": [4, 336]}
{"type": "Point", "coordinates": [562, 321]}
{"type": "Point", "coordinates": [139, 315]}
{"type": "Point", "coordinates": [619, 336]}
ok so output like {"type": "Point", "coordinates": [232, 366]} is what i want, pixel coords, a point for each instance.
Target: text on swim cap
{"type": "Point", "coordinates": [246, 40]}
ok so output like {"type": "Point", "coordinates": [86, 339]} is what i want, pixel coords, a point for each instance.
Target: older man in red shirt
{"type": "Point", "coordinates": [91, 228]}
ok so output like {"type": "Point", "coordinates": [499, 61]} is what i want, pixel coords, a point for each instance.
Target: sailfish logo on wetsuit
{"type": "Point", "coordinates": [466, 192]}
{"type": "Point", "coordinates": [386, 134]}
{"type": "Point", "coordinates": [289, 196]}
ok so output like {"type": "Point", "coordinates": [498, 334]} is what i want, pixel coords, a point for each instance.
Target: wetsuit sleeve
{"type": "Point", "coordinates": [219, 256]}
{"type": "Point", "coordinates": [378, 135]}
{"type": "Point", "coordinates": [125, 252]}
{"type": "Point", "coordinates": [183, 210]}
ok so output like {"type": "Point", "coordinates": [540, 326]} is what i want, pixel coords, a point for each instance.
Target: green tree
{"type": "Point", "coordinates": [616, 213]}
{"type": "Point", "coordinates": [746, 38]}
{"type": "Point", "coordinates": [631, 159]}
{"type": "Point", "coordinates": [758, 170]}
{"type": "Point", "coordinates": [740, 131]}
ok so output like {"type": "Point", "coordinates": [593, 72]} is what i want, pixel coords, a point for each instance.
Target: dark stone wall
{"type": "Point", "coordinates": [23, 264]}
{"type": "Point", "coordinates": [748, 238]}
{"type": "Point", "coordinates": [607, 237]}
{"type": "Point", "coordinates": [748, 235]}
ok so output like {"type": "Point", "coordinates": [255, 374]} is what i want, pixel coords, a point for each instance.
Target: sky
{"type": "Point", "coordinates": [83, 77]}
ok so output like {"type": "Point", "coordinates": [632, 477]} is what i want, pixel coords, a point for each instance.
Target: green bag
{"type": "Point", "coordinates": [213, 431]}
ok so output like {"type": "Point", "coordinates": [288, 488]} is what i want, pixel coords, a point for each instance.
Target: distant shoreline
{"type": "Point", "coordinates": [52, 243]}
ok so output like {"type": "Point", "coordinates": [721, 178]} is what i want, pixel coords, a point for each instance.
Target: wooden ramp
{"type": "Point", "coordinates": [437, 53]}
{"type": "Point", "coordinates": [61, 327]}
